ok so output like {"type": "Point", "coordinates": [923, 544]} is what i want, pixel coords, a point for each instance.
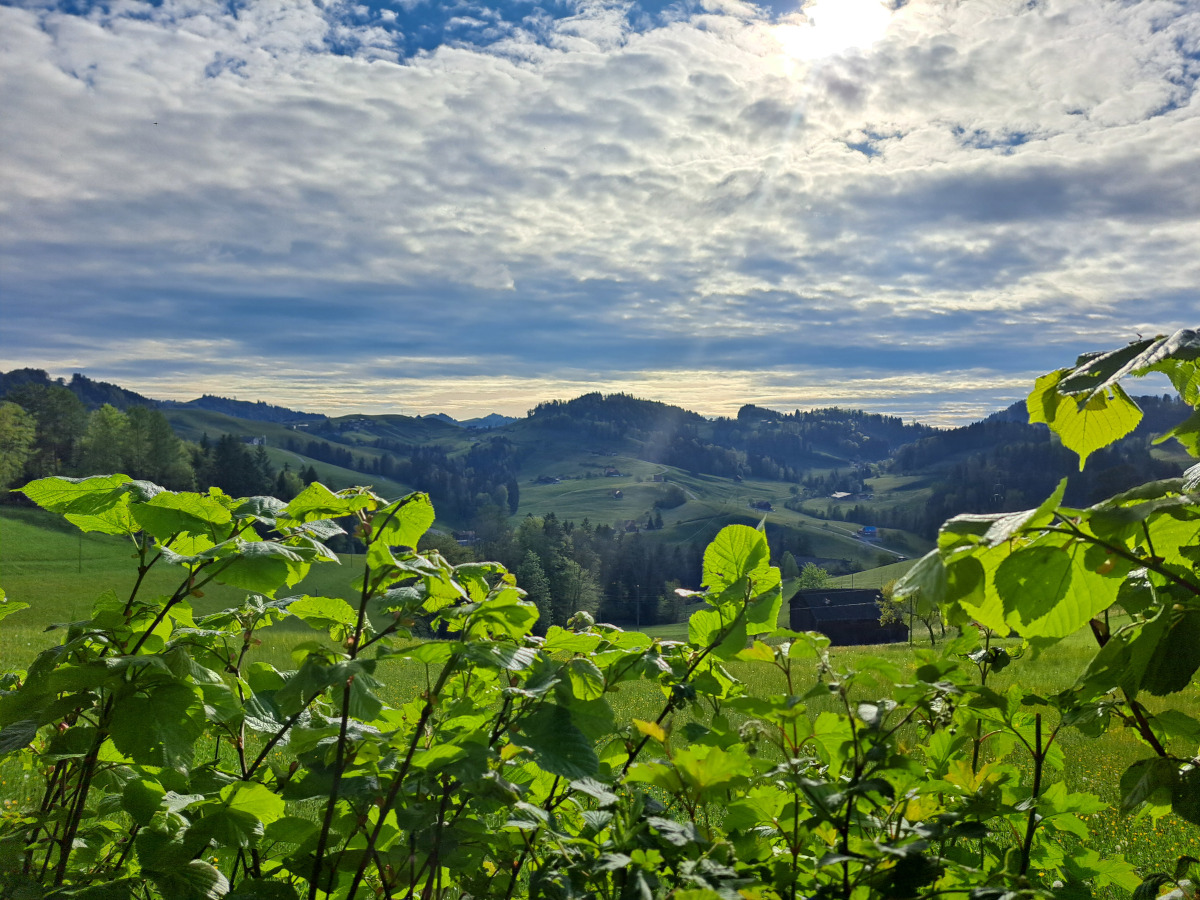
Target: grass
{"type": "Point", "coordinates": [47, 562]}
{"type": "Point", "coordinates": [51, 565]}
{"type": "Point", "coordinates": [712, 502]}
{"type": "Point", "coordinates": [873, 578]}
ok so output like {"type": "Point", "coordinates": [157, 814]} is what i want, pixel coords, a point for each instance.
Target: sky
{"type": "Point", "coordinates": [416, 206]}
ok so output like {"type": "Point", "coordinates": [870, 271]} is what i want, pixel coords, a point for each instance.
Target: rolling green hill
{"type": "Point", "coordinates": [560, 469]}
{"type": "Point", "coordinates": [614, 459]}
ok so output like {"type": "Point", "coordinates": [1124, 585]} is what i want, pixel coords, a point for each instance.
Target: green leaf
{"type": "Point", "coordinates": [255, 799]}
{"type": "Point", "coordinates": [756, 652]}
{"type": "Point", "coordinates": [762, 613]}
{"type": "Point", "coordinates": [737, 552]}
{"type": "Point", "coordinates": [656, 773]}
{"type": "Point", "coordinates": [597, 790]}
{"type": "Point", "coordinates": [438, 756]}
{"type": "Point", "coordinates": [559, 640]}
{"type": "Point", "coordinates": [263, 566]}
{"type": "Point", "coordinates": [290, 830]}
{"type": "Point", "coordinates": [318, 502]}
{"type": "Point", "coordinates": [1185, 797]}
{"type": "Point", "coordinates": [225, 827]}
{"type": "Point", "coordinates": [267, 510]}
{"type": "Point", "coordinates": [194, 880]}
{"type": "Point", "coordinates": [402, 523]}
{"type": "Point", "coordinates": [705, 768]}
{"type": "Point", "coordinates": [159, 727]}
{"type": "Point", "coordinates": [928, 577]}
{"type": "Point", "coordinates": [1005, 529]}
{"type": "Point", "coordinates": [968, 585]}
{"type": "Point", "coordinates": [557, 745]}
{"type": "Point", "coordinates": [1052, 589]}
{"type": "Point", "coordinates": [1187, 433]}
{"type": "Point", "coordinates": [509, 657]}
{"type": "Point", "coordinates": [1087, 865]}
{"type": "Point", "coordinates": [1096, 420]}
{"type": "Point", "coordinates": [1175, 355]}
{"type": "Point", "coordinates": [587, 682]}
{"type": "Point", "coordinates": [1148, 781]}
{"type": "Point", "coordinates": [431, 653]}
{"type": "Point", "coordinates": [1172, 723]}
{"type": "Point", "coordinates": [169, 513]}
{"type": "Point", "coordinates": [18, 735]}
{"type": "Point", "coordinates": [142, 798]}
{"type": "Point", "coordinates": [8, 607]}
{"type": "Point", "coordinates": [325, 614]}
{"type": "Point", "coordinates": [706, 626]}
{"type": "Point", "coordinates": [505, 614]}
{"type": "Point", "coordinates": [1176, 655]}
{"type": "Point", "coordinates": [1148, 889]}
{"type": "Point", "coordinates": [1183, 865]}
{"type": "Point", "coordinates": [81, 496]}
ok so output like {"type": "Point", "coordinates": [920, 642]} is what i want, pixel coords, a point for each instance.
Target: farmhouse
{"type": "Point", "coordinates": [846, 615]}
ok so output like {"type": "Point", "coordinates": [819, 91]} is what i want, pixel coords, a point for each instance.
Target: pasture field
{"type": "Point", "coordinates": [873, 578]}
{"type": "Point", "coordinates": [711, 503]}
{"type": "Point", "coordinates": [59, 571]}
{"type": "Point", "coordinates": [337, 477]}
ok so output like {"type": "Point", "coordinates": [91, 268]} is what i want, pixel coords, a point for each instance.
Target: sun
{"type": "Point", "coordinates": [834, 27]}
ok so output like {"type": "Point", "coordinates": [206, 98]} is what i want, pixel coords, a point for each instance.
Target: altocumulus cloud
{"type": "Point", "coordinates": [475, 206]}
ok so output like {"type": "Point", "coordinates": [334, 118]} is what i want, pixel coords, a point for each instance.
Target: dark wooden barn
{"type": "Point", "coordinates": [845, 615]}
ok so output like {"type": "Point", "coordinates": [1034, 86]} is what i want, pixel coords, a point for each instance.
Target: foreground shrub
{"type": "Point", "coordinates": [172, 765]}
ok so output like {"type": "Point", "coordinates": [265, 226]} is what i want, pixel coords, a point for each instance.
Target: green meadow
{"type": "Point", "coordinates": [59, 571]}
{"type": "Point", "coordinates": [711, 502]}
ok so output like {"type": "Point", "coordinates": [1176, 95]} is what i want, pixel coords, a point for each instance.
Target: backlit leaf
{"type": "Point", "coordinates": [401, 524]}
{"type": "Point", "coordinates": [1084, 425]}
{"type": "Point", "coordinates": [651, 729]}
{"type": "Point", "coordinates": [738, 551]}
{"type": "Point", "coordinates": [169, 513]}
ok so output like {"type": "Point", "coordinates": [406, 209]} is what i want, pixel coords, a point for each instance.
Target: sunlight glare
{"type": "Point", "coordinates": [833, 27]}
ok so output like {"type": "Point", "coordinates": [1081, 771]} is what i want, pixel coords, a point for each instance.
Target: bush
{"type": "Point", "coordinates": [172, 766]}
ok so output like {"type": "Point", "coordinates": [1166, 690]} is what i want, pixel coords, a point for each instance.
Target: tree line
{"type": "Point", "coordinates": [47, 430]}
{"type": "Point", "coordinates": [567, 566]}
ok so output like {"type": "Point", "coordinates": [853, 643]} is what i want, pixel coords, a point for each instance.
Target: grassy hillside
{"type": "Point", "coordinates": [337, 477]}
{"type": "Point", "coordinates": [712, 502]}
{"type": "Point", "coordinates": [874, 578]}
{"type": "Point", "coordinates": [574, 467]}
{"type": "Point", "coordinates": [49, 563]}
{"type": "Point", "coordinates": [358, 429]}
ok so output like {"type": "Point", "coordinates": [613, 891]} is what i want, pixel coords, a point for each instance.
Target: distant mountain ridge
{"type": "Point", "coordinates": [488, 422]}
{"type": "Point", "coordinates": [829, 463]}
{"type": "Point", "coordinates": [94, 394]}
{"type": "Point", "coordinates": [255, 411]}
{"type": "Point", "coordinates": [491, 420]}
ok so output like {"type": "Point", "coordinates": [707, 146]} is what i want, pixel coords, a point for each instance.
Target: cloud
{"type": "Point", "coordinates": [599, 188]}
